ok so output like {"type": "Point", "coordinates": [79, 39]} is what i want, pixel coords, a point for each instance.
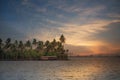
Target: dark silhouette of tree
{"type": "Point", "coordinates": [40, 45]}
{"type": "Point", "coordinates": [28, 45]}
{"type": "Point", "coordinates": [47, 47]}
{"type": "Point", "coordinates": [21, 45]}
{"type": "Point", "coordinates": [1, 51]}
{"type": "Point", "coordinates": [62, 39]}
{"type": "Point", "coordinates": [0, 43]}
{"type": "Point", "coordinates": [54, 43]}
{"type": "Point", "coordinates": [16, 43]}
{"type": "Point", "coordinates": [8, 40]}
{"type": "Point", "coordinates": [8, 43]}
{"type": "Point", "coordinates": [47, 43]}
{"type": "Point", "coordinates": [20, 50]}
{"type": "Point", "coordinates": [34, 43]}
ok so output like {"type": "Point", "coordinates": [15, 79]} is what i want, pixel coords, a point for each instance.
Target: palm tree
{"type": "Point", "coordinates": [1, 51]}
{"type": "Point", "coordinates": [15, 49]}
{"type": "Point", "coordinates": [47, 43]}
{"type": "Point", "coordinates": [62, 39]}
{"type": "Point", "coordinates": [46, 50]}
{"type": "Point", "coordinates": [34, 43]}
{"type": "Point", "coordinates": [21, 50]}
{"type": "Point", "coordinates": [7, 48]}
{"type": "Point", "coordinates": [0, 43]}
{"type": "Point", "coordinates": [21, 46]}
{"type": "Point", "coordinates": [28, 45]}
{"type": "Point", "coordinates": [54, 42]}
{"type": "Point", "coordinates": [8, 43]}
{"type": "Point", "coordinates": [16, 43]}
{"type": "Point", "coordinates": [40, 45]}
{"type": "Point", "coordinates": [53, 45]}
{"type": "Point", "coordinates": [12, 52]}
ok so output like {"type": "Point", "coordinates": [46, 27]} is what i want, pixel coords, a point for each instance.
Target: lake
{"type": "Point", "coordinates": [83, 68]}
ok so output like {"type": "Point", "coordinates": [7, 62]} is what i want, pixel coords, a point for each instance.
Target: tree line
{"type": "Point", "coordinates": [32, 50]}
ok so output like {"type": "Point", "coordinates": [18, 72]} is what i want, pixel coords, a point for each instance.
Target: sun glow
{"type": "Point", "coordinates": [82, 72]}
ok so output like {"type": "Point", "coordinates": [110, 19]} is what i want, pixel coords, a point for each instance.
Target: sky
{"type": "Point", "coordinates": [91, 27]}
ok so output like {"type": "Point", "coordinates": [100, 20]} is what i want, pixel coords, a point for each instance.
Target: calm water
{"type": "Point", "coordinates": [75, 69]}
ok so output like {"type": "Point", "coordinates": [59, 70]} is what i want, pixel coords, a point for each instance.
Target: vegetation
{"type": "Point", "coordinates": [32, 50]}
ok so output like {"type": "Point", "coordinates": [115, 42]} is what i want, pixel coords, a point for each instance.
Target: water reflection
{"type": "Point", "coordinates": [88, 71]}
{"type": "Point", "coordinates": [76, 69]}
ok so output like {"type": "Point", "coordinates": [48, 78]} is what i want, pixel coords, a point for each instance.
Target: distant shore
{"type": "Point", "coordinates": [70, 58]}
{"type": "Point", "coordinates": [96, 56]}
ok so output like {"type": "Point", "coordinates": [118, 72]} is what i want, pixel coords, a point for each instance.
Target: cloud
{"type": "Point", "coordinates": [99, 37]}
{"type": "Point", "coordinates": [78, 50]}
{"type": "Point", "coordinates": [44, 33]}
{"type": "Point", "coordinates": [41, 10]}
{"type": "Point", "coordinates": [83, 11]}
{"type": "Point", "coordinates": [24, 2]}
{"type": "Point", "coordinates": [92, 11]}
{"type": "Point", "coordinates": [8, 31]}
{"type": "Point", "coordinates": [34, 7]}
{"type": "Point", "coordinates": [77, 34]}
{"type": "Point", "coordinates": [110, 36]}
{"type": "Point", "coordinates": [92, 50]}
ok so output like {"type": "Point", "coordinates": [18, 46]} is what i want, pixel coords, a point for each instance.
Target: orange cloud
{"type": "Point", "coordinates": [81, 34]}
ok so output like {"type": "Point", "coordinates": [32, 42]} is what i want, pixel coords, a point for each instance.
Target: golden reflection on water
{"type": "Point", "coordinates": [77, 69]}
{"type": "Point", "coordinates": [89, 71]}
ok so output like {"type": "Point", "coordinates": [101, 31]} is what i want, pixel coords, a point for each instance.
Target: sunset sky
{"type": "Point", "coordinates": [90, 26]}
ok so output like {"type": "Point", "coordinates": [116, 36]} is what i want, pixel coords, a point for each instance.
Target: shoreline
{"type": "Point", "coordinates": [70, 58]}
{"type": "Point", "coordinates": [35, 60]}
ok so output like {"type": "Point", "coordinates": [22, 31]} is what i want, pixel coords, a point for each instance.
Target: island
{"type": "Point", "coordinates": [33, 50]}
